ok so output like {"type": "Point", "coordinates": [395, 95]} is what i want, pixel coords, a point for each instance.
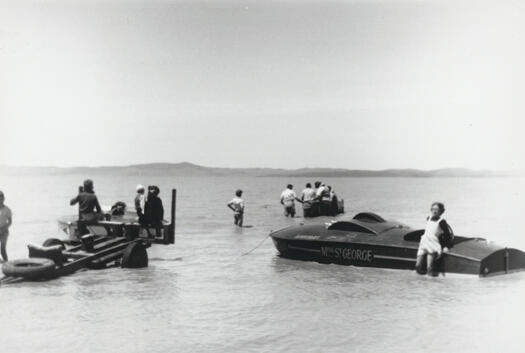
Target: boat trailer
{"type": "Point", "coordinates": [116, 241]}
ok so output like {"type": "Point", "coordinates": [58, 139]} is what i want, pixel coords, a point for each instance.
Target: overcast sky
{"type": "Point", "coordinates": [352, 84]}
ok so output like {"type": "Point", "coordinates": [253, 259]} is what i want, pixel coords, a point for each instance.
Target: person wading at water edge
{"type": "Point", "coordinates": [307, 198]}
{"type": "Point", "coordinates": [6, 219]}
{"type": "Point", "coordinates": [322, 197]}
{"type": "Point", "coordinates": [288, 198]}
{"type": "Point", "coordinates": [89, 209]}
{"type": "Point", "coordinates": [316, 201]}
{"type": "Point", "coordinates": [438, 238]}
{"type": "Point", "coordinates": [237, 206]}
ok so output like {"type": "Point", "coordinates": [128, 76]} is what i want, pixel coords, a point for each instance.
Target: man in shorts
{"type": "Point", "coordinates": [288, 198]}
{"type": "Point", "coordinates": [237, 206]}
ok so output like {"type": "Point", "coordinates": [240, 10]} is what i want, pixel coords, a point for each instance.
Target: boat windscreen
{"type": "Point", "coordinates": [350, 227]}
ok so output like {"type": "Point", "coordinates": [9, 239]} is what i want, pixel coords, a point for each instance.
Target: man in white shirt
{"type": "Point", "coordinates": [307, 199]}
{"type": "Point", "coordinates": [323, 197]}
{"type": "Point", "coordinates": [288, 198]}
{"type": "Point", "coordinates": [237, 206]}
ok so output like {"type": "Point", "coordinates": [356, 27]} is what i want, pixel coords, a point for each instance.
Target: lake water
{"type": "Point", "coordinates": [200, 295]}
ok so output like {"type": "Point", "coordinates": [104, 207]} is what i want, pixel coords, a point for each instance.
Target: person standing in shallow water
{"type": "Point", "coordinates": [307, 199]}
{"type": "Point", "coordinates": [288, 198]}
{"type": "Point", "coordinates": [6, 219]}
{"type": "Point", "coordinates": [237, 206]}
{"type": "Point", "coordinates": [438, 238]}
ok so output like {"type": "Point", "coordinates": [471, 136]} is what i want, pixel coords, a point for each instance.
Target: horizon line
{"type": "Point", "coordinates": [143, 164]}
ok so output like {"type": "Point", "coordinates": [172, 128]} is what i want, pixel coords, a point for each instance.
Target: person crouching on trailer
{"type": "Point", "coordinates": [438, 238]}
{"type": "Point", "coordinates": [154, 211]}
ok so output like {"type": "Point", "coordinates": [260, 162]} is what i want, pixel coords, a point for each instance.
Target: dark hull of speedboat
{"type": "Point", "coordinates": [364, 255]}
{"type": "Point", "coordinates": [498, 261]}
{"type": "Point", "coordinates": [378, 243]}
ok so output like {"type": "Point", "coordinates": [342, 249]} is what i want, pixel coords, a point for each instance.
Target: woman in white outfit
{"type": "Point", "coordinates": [438, 238]}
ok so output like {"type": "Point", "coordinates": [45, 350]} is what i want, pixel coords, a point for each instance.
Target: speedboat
{"type": "Point", "coordinates": [368, 240]}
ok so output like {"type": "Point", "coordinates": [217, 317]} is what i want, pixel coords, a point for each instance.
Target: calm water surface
{"type": "Point", "coordinates": [202, 296]}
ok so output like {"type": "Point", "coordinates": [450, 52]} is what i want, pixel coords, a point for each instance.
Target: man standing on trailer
{"type": "Point", "coordinates": [6, 219]}
{"type": "Point", "coordinates": [89, 209]}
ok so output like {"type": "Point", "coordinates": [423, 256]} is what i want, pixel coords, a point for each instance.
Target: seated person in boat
{"type": "Point", "coordinates": [154, 210]}
{"type": "Point", "coordinates": [237, 206]}
{"type": "Point", "coordinates": [438, 238]}
{"type": "Point", "coordinates": [89, 209]}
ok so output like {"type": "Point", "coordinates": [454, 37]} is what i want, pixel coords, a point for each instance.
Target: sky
{"type": "Point", "coordinates": [285, 84]}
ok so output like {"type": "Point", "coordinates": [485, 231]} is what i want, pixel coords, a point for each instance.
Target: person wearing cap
{"type": "Point", "coordinates": [89, 209]}
{"type": "Point", "coordinates": [237, 206]}
{"type": "Point", "coordinates": [6, 219]}
{"type": "Point", "coordinates": [140, 202]}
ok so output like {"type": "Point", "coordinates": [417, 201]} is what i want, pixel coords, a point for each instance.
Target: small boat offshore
{"type": "Point", "coordinates": [118, 240]}
{"type": "Point", "coordinates": [368, 240]}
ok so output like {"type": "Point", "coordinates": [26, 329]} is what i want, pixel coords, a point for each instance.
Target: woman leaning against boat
{"type": "Point", "coordinates": [438, 238]}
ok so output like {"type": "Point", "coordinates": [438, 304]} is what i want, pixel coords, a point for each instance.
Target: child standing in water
{"type": "Point", "coordinates": [237, 206]}
{"type": "Point", "coordinates": [437, 238]}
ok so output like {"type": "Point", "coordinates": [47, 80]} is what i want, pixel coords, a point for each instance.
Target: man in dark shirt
{"type": "Point", "coordinates": [154, 210]}
{"type": "Point", "coordinates": [88, 207]}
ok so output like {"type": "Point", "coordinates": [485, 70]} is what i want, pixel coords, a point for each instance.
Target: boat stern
{"type": "Point", "coordinates": [503, 261]}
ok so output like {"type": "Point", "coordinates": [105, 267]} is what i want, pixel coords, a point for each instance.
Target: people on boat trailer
{"type": "Point", "coordinates": [153, 210]}
{"type": "Point", "coordinates": [89, 209]}
{"type": "Point", "coordinates": [307, 199]}
{"type": "Point", "coordinates": [6, 219]}
{"type": "Point", "coordinates": [437, 238]}
{"type": "Point", "coordinates": [288, 198]}
{"type": "Point", "coordinates": [237, 206]}
{"type": "Point", "coordinates": [140, 202]}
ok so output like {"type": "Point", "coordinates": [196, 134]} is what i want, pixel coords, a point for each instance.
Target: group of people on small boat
{"type": "Point", "coordinates": [318, 201]}
{"type": "Point", "coordinates": [149, 208]}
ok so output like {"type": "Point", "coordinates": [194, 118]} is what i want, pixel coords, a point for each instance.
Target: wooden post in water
{"type": "Point", "coordinates": [171, 236]}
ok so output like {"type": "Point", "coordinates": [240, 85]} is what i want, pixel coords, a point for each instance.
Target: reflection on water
{"type": "Point", "coordinates": [202, 295]}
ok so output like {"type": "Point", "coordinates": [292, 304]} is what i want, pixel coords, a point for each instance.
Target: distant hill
{"type": "Point", "coordinates": [189, 169]}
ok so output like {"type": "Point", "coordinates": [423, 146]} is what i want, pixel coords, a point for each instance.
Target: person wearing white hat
{"type": "Point", "coordinates": [140, 201]}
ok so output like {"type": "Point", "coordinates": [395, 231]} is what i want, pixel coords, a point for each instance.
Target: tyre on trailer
{"type": "Point", "coordinates": [32, 269]}
{"type": "Point", "coordinates": [135, 256]}
{"type": "Point", "coordinates": [53, 242]}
